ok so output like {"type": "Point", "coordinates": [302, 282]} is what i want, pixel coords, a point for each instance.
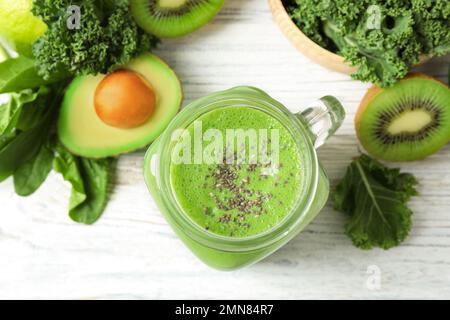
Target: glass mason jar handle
{"type": "Point", "coordinates": [323, 119]}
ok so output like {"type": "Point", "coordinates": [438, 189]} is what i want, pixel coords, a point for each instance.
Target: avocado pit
{"type": "Point", "coordinates": [124, 99]}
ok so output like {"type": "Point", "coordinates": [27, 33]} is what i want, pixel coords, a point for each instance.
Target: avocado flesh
{"type": "Point", "coordinates": [85, 134]}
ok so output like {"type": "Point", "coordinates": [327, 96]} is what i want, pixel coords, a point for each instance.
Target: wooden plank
{"type": "Point", "coordinates": [132, 253]}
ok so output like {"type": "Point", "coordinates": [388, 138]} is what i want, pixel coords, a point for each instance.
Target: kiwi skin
{"type": "Point", "coordinates": [177, 21]}
{"type": "Point", "coordinates": [372, 93]}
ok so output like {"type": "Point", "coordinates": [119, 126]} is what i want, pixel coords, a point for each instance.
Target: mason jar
{"type": "Point", "coordinates": [310, 128]}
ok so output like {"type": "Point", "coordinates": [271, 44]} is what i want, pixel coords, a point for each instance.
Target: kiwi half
{"type": "Point", "coordinates": [174, 18]}
{"type": "Point", "coordinates": [407, 122]}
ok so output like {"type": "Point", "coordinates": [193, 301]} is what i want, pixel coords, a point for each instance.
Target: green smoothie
{"type": "Point", "coordinates": [240, 197]}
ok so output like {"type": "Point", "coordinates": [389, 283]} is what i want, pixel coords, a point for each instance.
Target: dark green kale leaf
{"type": "Point", "coordinates": [383, 38]}
{"type": "Point", "coordinates": [375, 198]}
{"type": "Point", "coordinates": [107, 39]}
{"type": "Point", "coordinates": [433, 25]}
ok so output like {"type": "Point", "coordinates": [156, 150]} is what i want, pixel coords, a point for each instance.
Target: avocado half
{"type": "Point", "coordinates": [83, 133]}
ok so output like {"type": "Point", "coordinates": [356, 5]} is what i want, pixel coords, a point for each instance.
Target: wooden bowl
{"type": "Point", "coordinates": [308, 47]}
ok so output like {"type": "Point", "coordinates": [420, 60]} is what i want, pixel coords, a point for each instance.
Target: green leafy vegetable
{"type": "Point", "coordinates": [107, 38]}
{"type": "Point", "coordinates": [32, 174]}
{"type": "Point", "coordinates": [3, 54]}
{"type": "Point", "coordinates": [67, 164]}
{"type": "Point", "coordinates": [96, 174]}
{"type": "Point", "coordinates": [22, 136]}
{"type": "Point", "coordinates": [19, 149]}
{"type": "Point", "coordinates": [10, 111]}
{"type": "Point", "coordinates": [384, 39]}
{"type": "Point", "coordinates": [19, 74]}
{"type": "Point", "coordinates": [89, 179]}
{"type": "Point", "coordinates": [375, 198]}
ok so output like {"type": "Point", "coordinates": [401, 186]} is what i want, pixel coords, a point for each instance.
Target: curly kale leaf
{"type": "Point", "coordinates": [383, 38]}
{"type": "Point", "coordinates": [375, 198]}
{"type": "Point", "coordinates": [107, 38]}
{"type": "Point", "coordinates": [383, 55]}
{"type": "Point", "coordinates": [433, 25]}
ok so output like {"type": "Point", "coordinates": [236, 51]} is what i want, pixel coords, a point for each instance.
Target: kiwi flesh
{"type": "Point", "coordinates": [174, 18]}
{"type": "Point", "coordinates": [407, 122]}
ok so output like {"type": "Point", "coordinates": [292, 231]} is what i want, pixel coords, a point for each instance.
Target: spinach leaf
{"type": "Point", "coordinates": [90, 179]}
{"type": "Point", "coordinates": [10, 111]}
{"type": "Point", "coordinates": [68, 165]}
{"type": "Point", "coordinates": [6, 139]}
{"type": "Point", "coordinates": [5, 115]}
{"type": "Point", "coordinates": [19, 74]}
{"type": "Point", "coordinates": [42, 111]}
{"type": "Point", "coordinates": [25, 132]}
{"type": "Point", "coordinates": [22, 148]}
{"type": "Point", "coordinates": [3, 54]}
{"type": "Point", "coordinates": [32, 174]}
{"type": "Point", "coordinates": [96, 175]}
{"type": "Point", "coordinates": [375, 198]}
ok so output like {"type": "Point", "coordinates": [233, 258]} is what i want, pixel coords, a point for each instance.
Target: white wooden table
{"type": "Point", "coordinates": [132, 253]}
